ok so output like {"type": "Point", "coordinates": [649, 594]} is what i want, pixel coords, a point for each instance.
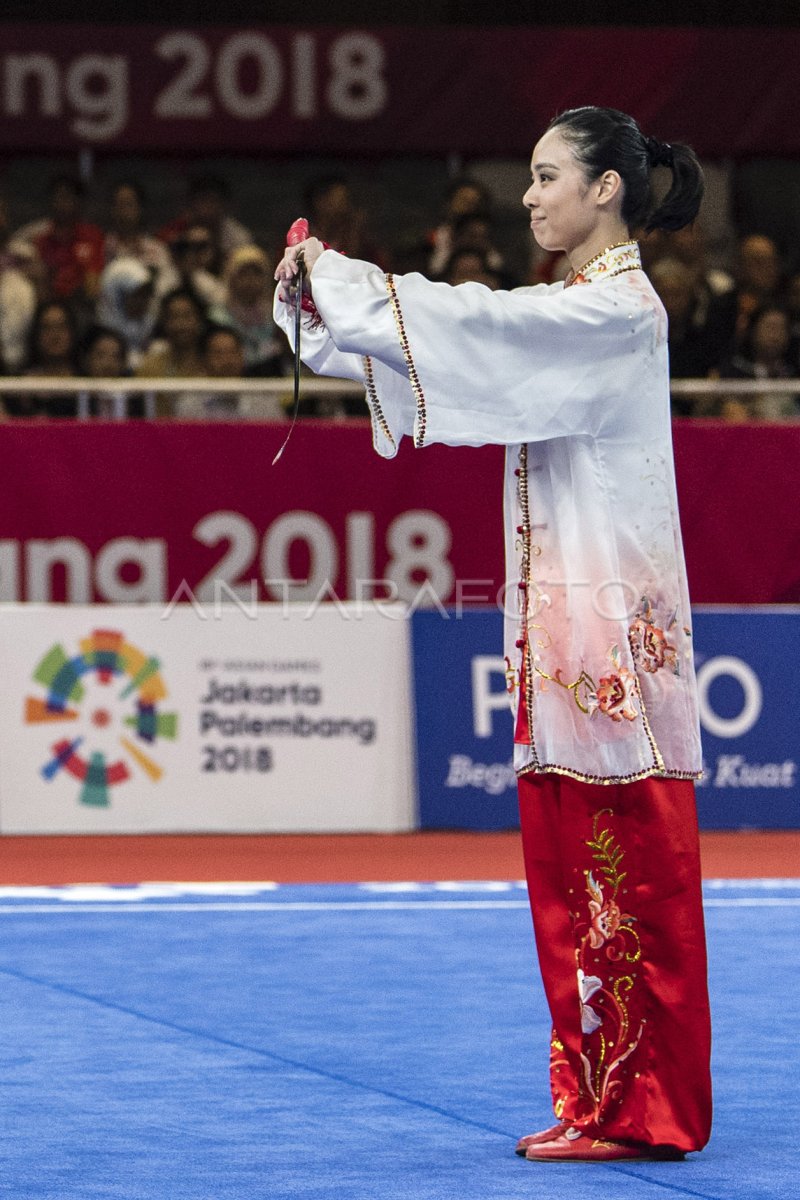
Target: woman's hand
{"type": "Point", "coordinates": [286, 269]}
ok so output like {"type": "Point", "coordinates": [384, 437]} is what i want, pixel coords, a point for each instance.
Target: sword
{"type": "Point", "coordinates": [298, 232]}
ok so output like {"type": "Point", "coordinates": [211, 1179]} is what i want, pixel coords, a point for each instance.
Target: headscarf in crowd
{"type": "Point", "coordinates": [253, 322]}
{"type": "Point", "coordinates": [253, 314]}
{"type": "Point", "coordinates": [117, 282]}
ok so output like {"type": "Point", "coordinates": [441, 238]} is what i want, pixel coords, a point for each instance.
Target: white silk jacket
{"type": "Point", "coordinates": [574, 382]}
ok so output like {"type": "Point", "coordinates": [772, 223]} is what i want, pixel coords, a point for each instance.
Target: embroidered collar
{"type": "Point", "coordinates": [611, 261]}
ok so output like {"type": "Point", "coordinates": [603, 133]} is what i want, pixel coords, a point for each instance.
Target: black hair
{"type": "Point", "coordinates": [467, 252]}
{"type": "Point", "coordinates": [201, 185]}
{"type": "Point", "coordinates": [32, 357]}
{"type": "Point", "coordinates": [465, 181]}
{"type": "Point", "coordinates": [95, 334]}
{"type": "Point", "coordinates": [604, 139]}
{"type": "Point", "coordinates": [212, 330]}
{"type": "Point", "coordinates": [769, 306]}
{"type": "Point", "coordinates": [182, 244]}
{"type": "Point", "coordinates": [132, 186]}
{"type": "Point", "coordinates": [319, 186]}
{"type": "Point", "coordinates": [65, 180]}
{"type": "Point", "coordinates": [465, 220]}
{"type": "Point", "coordinates": [183, 293]}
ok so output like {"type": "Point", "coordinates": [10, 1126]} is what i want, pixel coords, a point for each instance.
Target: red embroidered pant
{"type": "Point", "coordinates": [614, 884]}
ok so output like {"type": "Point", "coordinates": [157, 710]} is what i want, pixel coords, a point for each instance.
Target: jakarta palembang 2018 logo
{"type": "Point", "coordinates": [116, 728]}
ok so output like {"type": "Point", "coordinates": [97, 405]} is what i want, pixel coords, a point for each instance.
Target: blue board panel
{"type": "Point", "coordinates": [746, 659]}
{"type": "Point", "coordinates": [464, 724]}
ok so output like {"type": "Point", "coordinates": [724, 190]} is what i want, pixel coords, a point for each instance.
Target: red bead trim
{"type": "Point", "coordinates": [422, 413]}
{"type": "Point", "coordinates": [378, 419]}
{"type": "Point", "coordinates": [526, 675]}
{"type": "Point", "coordinates": [648, 773]}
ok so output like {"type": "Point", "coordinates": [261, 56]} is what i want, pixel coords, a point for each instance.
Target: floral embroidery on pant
{"type": "Point", "coordinates": [608, 949]}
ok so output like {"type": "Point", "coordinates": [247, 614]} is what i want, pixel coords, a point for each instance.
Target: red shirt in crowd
{"type": "Point", "coordinates": [73, 258]}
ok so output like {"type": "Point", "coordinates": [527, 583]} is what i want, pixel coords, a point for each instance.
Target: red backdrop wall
{"type": "Point", "coordinates": [279, 88]}
{"type": "Point", "coordinates": [145, 511]}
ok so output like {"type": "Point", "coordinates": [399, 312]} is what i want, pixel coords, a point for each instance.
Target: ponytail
{"type": "Point", "coordinates": [681, 204]}
{"type": "Point", "coordinates": [604, 139]}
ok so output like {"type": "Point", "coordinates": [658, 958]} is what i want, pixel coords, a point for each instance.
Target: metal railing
{"type": "Point", "coordinates": [149, 389]}
{"type": "Point", "coordinates": [84, 388]}
{"type": "Point", "coordinates": [734, 387]}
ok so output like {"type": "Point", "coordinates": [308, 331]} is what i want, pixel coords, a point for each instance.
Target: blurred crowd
{"type": "Point", "coordinates": [193, 299]}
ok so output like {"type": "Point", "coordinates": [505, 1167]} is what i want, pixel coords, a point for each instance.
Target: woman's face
{"type": "Point", "coordinates": [105, 358]}
{"type": "Point", "coordinates": [197, 249]}
{"type": "Point", "coordinates": [771, 336]}
{"type": "Point", "coordinates": [55, 334]}
{"type": "Point", "coordinates": [137, 302]}
{"type": "Point", "coordinates": [182, 323]}
{"type": "Point", "coordinates": [126, 211]}
{"type": "Point", "coordinates": [465, 199]}
{"type": "Point", "coordinates": [563, 209]}
{"type": "Point", "coordinates": [249, 283]}
{"type": "Point", "coordinates": [224, 358]}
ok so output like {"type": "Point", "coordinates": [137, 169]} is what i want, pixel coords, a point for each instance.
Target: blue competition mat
{"type": "Point", "coordinates": [357, 1042]}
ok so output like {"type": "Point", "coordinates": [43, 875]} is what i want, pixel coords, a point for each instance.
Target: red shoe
{"type": "Point", "coordinates": [544, 1135]}
{"type": "Point", "coordinates": [574, 1146]}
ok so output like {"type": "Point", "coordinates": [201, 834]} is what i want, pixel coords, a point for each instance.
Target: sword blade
{"type": "Point", "coordinates": [298, 316]}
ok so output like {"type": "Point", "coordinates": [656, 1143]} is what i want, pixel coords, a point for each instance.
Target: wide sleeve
{"type": "Point", "coordinates": [468, 366]}
{"type": "Point", "coordinates": [319, 351]}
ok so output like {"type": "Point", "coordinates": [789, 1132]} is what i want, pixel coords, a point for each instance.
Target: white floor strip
{"type": "Point", "coordinates": [350, 905]}
{"type": "Point", "coordinates": [276, 906]}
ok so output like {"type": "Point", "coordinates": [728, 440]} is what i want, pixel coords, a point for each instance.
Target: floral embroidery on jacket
{"type": "Point", "coordinates": [613, 261]}
{"type": "Point", "coordinates": [649, 645]}
{"type": "Point", "coordinates": [615, 694]}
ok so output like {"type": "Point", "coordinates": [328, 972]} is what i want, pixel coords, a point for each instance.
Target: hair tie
{"type": "Point", "coordinates": [659, 153]}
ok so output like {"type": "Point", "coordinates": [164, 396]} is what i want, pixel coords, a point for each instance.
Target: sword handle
{"type": "Point", "coordinates": [298, 232]}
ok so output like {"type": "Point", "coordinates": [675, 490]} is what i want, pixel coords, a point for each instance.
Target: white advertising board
{"type": "Point", "coordinates": [272, 718]}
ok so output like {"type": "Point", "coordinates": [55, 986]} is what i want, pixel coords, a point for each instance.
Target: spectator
{"type": "Point", "coordinates": [411, 253]}
{"type": "Point", "coordinates": [793, 308]}
{"type": "Point", "coordinates": [223, 358]}
{"type": "Point", "coordinates": [700, 332]}
{"type": "Point", "coordinates": [764, 355]}
{"type": "Point", "coordinates": [473, 232]}
{"type": "Point", "coordinates": [71, 249]}
{"type": "Point", "coordinates": [195, 262]}
{"type": "Point", "coordinates": [464, 197]}
{"type": "Point", "coordinates": [758, 279]}
{"type": "Point", "coordinates": [712, 316]}
{"type": "Point", "coordinates": [17, 303]}
{"type": "Point", "coordinates": [470, 266]}
{"type": "Point", "coordinates": [177, 354]}
{"type": "Point", "coordinates": [207, 204]}
{"type": "Point", "coordinates": [24, 257]}
{"type": "Point", "coordinates": [103, 355]}
{"type": "Point", "coordinates": [688, 246]}
{"type": "Point", "coordinates": [248, 310]}
{"type": "Point", "coordinates": [52, 351]}
{"type": "Point", "coordinates": [335, 218]}
{"type": "Point", "coordinates": [128, 305]}
{"type": "Point", "coordinates": [127, 237]}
